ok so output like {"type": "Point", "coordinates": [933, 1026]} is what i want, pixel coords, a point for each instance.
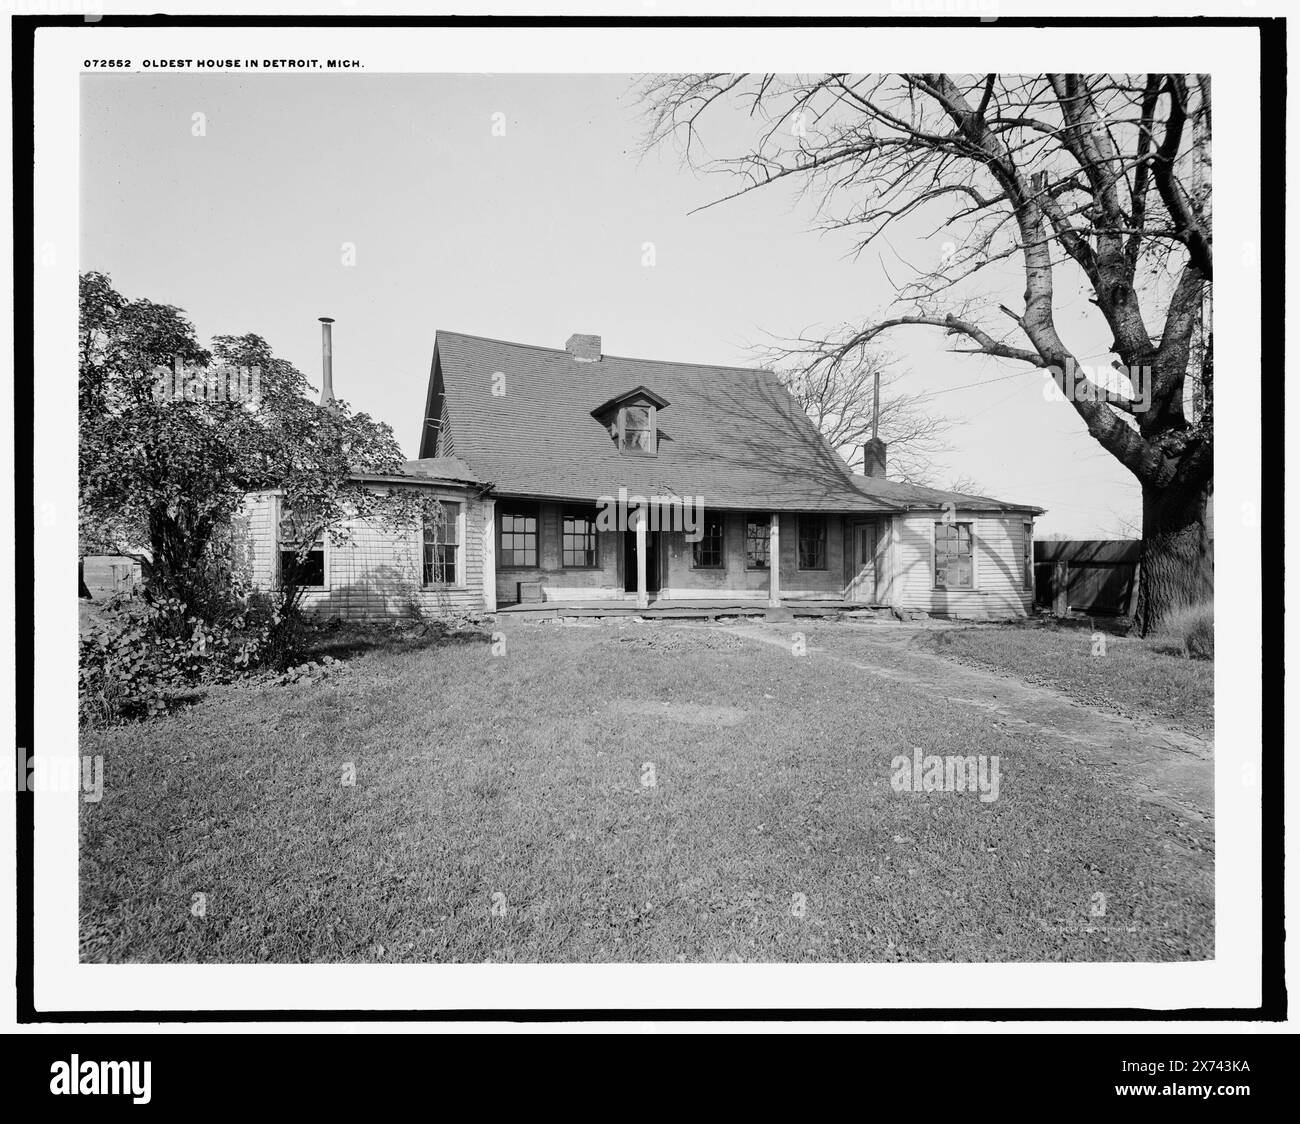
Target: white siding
{"type": "Point", "coordinates": [999, 591]}
{"type": "Point", "coordinates": [376, 573]}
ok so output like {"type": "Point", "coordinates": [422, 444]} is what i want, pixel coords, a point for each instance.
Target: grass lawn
{"type": "Point", "coordinates": [502, 811]}
{"type": "Point", "coordinates": [1140, 678]}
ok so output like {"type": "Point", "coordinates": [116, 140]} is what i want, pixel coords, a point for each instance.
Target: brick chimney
{"type": "Point", "coordinates": [584, 349]}
{"type": "Point", "coordinates": [873, 457]}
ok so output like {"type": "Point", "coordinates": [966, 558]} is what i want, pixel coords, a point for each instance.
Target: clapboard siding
{"type": "Point", "coordinates": [375, 572]}
{"type": "Point", "coordinates": [260, 543]}
{"type": "Point", "coordinates": [999, 591]}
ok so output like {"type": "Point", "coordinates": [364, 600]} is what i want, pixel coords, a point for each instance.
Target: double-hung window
{"type": "Point", "coordinates": [302, 547]}
{"type": "Point", "coordinates": [578, 545]}
{"type": "Point", "coordinates": [518, 537]}
{"type": "Point", "coordinates": [812, 542]}
{"type": "Point", "coordinates": [442, 544]}
{"type": "Point", "coordinates": [707, 553]}
{"type": "Point", "coordinates": [954, 556]}
{"type": "Point", "coordinates": [758, 541]}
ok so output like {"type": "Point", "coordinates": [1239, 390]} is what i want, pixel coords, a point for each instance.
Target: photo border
{"type": "Point", "coordinates": [1273, 1003]}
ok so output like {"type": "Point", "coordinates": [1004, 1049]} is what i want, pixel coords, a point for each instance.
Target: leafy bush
{"type": "Point", "coordinates": [1192, 629]}
{"type": "Point", "coordinates": [165, 645]}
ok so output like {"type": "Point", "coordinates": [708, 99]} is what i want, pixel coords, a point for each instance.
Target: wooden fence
{"type": "Point", "coordinates": [1094, 576]}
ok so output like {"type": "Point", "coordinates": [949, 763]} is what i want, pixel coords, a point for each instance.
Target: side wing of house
{"type": "Point", "coordinates": [961, 563]}
{"type": "Point", "coordinates": [377, 571]}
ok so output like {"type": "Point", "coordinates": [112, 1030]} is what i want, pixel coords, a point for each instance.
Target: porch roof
{"type": "Point", "coordinates": [911, 496]}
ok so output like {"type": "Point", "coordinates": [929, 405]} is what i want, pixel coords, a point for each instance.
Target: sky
{"type": "Point", "coordinates": [398, 205]}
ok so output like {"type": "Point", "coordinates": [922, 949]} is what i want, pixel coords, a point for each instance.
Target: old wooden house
{"type": "Point", "coordinates": [571, 478]}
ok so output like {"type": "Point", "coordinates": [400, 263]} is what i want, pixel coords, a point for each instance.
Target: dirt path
{"type": "Point", "coordinates": [1167, 767]}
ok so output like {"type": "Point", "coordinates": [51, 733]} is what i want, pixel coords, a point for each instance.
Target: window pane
{"type": "Point", "coordinates": [441, 536]}
{"type": "Point", "coordinates": [707, 553]}
{"type": "Point", "coordinates": [758, 542]}
{"type": "Point", "coordinates": [306, 571]}
{"type": "Point", "coordinates": [812, 543]}
{"type": "Point", "coordinates": [954, 561]}
{"type": "Point", "coordinates": [301, 528]}
{"type": "Point", "coordinates": [439, 565]}
{"type": "Point", "coordinates": [519, 538]}
{"type": "Point", "coordinates": [636, 428]}
{"type": "Point", "coordinates": [297, 525]}
{"type": "Point", "coordinates": [578, 540]}
{"type": "Point", "coordinates": [442, 526]}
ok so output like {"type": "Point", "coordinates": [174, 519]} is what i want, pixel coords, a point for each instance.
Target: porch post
{"type": "Point", "coordinates": [489, 540]}
{"type": "Point", "coordinates": [642, 597]}
{"type": "Point", "coordinates": [774, 560]}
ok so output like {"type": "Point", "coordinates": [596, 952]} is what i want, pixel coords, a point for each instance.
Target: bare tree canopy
{"type": "Point", "coordinates": [1099, 182]}
{"type": "Point", "coordinates": [839, 397]}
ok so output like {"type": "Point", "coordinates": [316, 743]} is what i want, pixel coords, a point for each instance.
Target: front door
{"type": "Point", "coordinates": [864, 539]}
{"type": "Point", "coordinates": [651, 561]}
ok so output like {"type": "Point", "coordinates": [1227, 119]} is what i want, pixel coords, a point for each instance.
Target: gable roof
{"type": "Point", "coordinates": [739, 440]}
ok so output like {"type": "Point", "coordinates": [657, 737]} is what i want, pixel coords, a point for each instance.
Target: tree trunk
{"type": "Point", "coordinates": [178, 546]}
{"type": "Point", "coordinates": [1177, 555]}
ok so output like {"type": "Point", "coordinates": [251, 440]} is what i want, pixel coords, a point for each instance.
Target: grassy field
{"type": "Point", "coordinates": [626, 792]}
{"type": "Point", "coordinates": [1141, 678]}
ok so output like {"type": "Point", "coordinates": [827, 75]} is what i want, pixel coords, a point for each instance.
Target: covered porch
{"type": "Point", "coordinates": [731, 559]}
{"type": "Point", "coordinates": [769, 560]}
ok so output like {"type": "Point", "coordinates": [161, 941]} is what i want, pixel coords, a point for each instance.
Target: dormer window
{"type": "Point", "coordinates": [632, 421]}
{"type": "Point", "coordinates": [638, 429]}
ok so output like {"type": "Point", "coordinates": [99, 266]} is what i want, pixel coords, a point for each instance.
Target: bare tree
{"type": "Point", "coordinates": [838, 394]}
{"type": "Point", "coordinates": [966, 484]}
{"type": "Point", "coordinates": [1092, 182]}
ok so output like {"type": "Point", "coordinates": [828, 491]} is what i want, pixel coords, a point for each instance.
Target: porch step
{"type": "Point", "coordinates": [689, 610]}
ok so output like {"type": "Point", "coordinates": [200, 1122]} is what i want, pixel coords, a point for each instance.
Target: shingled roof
{"type": "Point", "coordinates": [732, 435]}
{"type": "Point", "coordinates": [909, 496]}
{"type": "Point", "coordinates": [447, 469]}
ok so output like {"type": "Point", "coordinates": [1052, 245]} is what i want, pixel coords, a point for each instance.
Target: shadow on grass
{"type": "Point", "coordinates": [345, 640]}
{"type": "Point", "coordinates": [185, 698]}
{"type": "Point", "coordinates": [1163, 644]}
{"type": "Point", "coordinates": [1111, 626]}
